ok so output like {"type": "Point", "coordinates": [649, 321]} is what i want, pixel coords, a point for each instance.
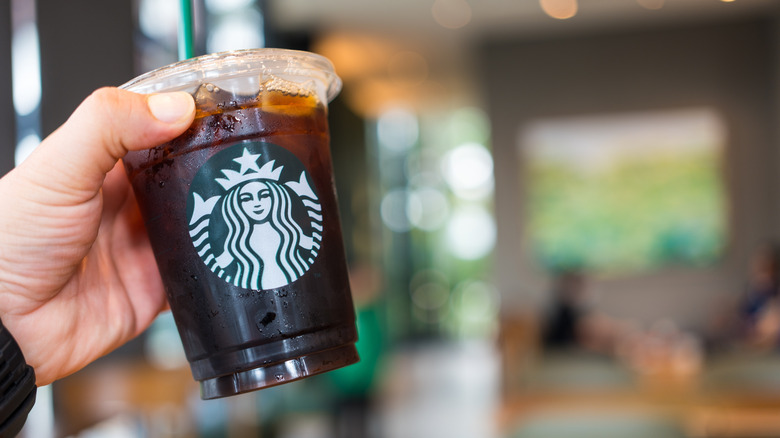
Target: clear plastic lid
{"type": "Point", "coordinates": [244, 72]}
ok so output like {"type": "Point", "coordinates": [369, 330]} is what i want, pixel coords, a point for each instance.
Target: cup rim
{"type": "Point", "coordinates": [241, 62]}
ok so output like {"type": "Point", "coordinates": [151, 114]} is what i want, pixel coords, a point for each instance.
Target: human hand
{"type": "Point", "coordinates": [77, 274]}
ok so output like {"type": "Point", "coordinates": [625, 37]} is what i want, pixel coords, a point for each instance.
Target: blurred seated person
{"type": "Point", "coordinates": [564, 323]}
{"type": "Point", "coordinates": [759, 310]}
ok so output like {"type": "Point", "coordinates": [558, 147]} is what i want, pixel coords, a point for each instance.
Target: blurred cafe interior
{"type": "Point", "coordinates": [562, 217]}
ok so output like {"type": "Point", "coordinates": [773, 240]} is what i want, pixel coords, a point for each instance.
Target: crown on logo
{"type": "Point", "coordinates": [249, 171]}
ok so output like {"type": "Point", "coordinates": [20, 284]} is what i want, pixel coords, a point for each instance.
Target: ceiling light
{"type": "Point", "coordinates": [559, 9]}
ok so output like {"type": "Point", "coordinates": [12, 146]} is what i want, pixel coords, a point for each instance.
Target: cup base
{"type": "Point", "coordinates": [278, 373]}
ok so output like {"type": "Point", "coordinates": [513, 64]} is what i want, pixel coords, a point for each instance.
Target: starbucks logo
{"type": "Point", "coordinates": [254, 218]}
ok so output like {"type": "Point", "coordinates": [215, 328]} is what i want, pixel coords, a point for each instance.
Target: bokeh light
{"type": "Point", "coordinates": [471, 232]}
{"type": "Point", "coordinates": [397, 130]}
{"type": "Point", "coordinates": [430, 292]}
{"type": "Point", "coordinates": [25, 147]}
{"type": "Point", "coordinates": [224, 6]}
{"type": "Point", "coordinates": [559, 9]}
{"type": "Point", "coordinates": [468, 170]}
{"type": "Point", "coordinates": [26, 69]}
{"type": "Point", "coordinates": [651, 4]}
{"type": "Point", "coordinates": [242, 30]}
{"type": "Point", "coordinates": [428, 208]}
{"type": "Point", "coordinates": [451, 14]}
{"type": "Point", "coordinates": [159, 19]}
{"type": "Point", "coordinates": [430, 296]}
{"type": "Point", "coordinates": [393, 210]}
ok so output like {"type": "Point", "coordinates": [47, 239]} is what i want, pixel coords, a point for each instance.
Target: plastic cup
{"type": "Point", "coordinates": [242, 216]}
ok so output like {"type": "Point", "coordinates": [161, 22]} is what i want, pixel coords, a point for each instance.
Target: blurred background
{"type": "Point", "coordinates": [561, 216]}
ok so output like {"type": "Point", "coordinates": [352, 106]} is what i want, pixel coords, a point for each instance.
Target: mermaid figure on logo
{"type": "Point", "coordinates": [264, 247]}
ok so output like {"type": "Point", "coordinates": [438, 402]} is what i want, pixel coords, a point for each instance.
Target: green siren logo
{"type": "Point", "coordinates": [254, 218]}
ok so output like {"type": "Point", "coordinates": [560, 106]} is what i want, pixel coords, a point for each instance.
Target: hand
{"type": "Point", "coordinates": [77, 274]}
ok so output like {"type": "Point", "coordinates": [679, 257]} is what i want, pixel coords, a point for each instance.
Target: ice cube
{"type": "Point", "coordinates": [211, 99]}
{"type": "Point", "coordinates": [275, 83]}
{"type": "Point", "coordinates": [281, 96]}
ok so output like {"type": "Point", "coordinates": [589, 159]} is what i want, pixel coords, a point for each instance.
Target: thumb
{"type": "Point", "coordinates": [75, 158]}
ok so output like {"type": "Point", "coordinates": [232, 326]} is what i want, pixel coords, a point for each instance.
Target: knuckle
{"type": "Point", "coordinates": [110, 108]}
{"type": "Point", "coordinates": [102, 97]}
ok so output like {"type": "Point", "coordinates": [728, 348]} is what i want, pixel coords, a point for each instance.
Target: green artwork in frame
{"type": "Point", "coordinates": [625, 192]}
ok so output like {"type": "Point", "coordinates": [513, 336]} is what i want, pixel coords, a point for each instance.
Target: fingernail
{"type": "Point", "coordinates": [170, 107]}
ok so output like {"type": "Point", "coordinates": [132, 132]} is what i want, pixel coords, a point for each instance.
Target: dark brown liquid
{"type": "Point", "coordinates": [225, 328]}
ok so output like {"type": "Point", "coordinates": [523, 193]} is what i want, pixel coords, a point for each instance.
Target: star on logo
{"type": "Point", "coordinates": [248, 162]}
